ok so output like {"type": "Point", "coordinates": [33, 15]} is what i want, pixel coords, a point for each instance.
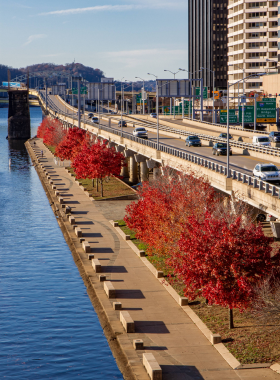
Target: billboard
{"type": "Point", "coordinates": [59, 89]}
{"type": "Point", "coordinates": [173, 87]}
{"type": "Point", "coordinates": [12, 84]}
{"type": "Point", "coordinates": [107, 80]}
{"type": "Point", "coordinates": [101, 91]}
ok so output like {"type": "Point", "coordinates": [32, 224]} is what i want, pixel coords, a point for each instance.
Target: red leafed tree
{"type": "Point", "coordinates": [223, 261]}
{"type": "Point", "coordinates": [72, 144]}
{"type": "Point", "coordinates": [98, 161]}
{"type": "Point", "coordinates": [54, 133]}
{"type": "Point", "coordinates": [164, 206]}
{"type": "Point", "coordinates": [43, 126]}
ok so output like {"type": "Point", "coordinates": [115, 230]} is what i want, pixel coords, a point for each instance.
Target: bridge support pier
{"type": "Point", "coordinates": [124, 170]}
{"type": "Point", "coordinates": [144, 171]}
{"type": "Point", "coordinates": [156, 173]}
{"type": "Point", "coordinates": [18, 116]}
{"type": "Point", "coordinates": [133, 170]}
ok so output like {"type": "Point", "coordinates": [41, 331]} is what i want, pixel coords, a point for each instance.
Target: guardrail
{"type": "Point", "coordinates": [273, 190]}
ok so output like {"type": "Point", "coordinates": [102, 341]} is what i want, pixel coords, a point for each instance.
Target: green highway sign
{"type": "Point", "coordinates": [266, 110]}
{"type": "Point", "coordinates": [248, 114]}
{"type": "Point", "coordinates": [83, 91]}
{"type": "Point", "coordinates": [205, 92]}
{"type": "Point", "coordinates": [139, 99]}
{"type": "Point", "coordinates": [232, 117]}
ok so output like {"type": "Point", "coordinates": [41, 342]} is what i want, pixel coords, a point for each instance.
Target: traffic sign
{"type": "Point", "coordinates": [248, 114]}
{"type": "Point", "coordinates": [266, 110]}
{"type": "Point", "coordinates": [83, 91]}
{"type": "Point", "coordinates": [205, 92]}
{"type": "Point", "coordinates": [232, 117]}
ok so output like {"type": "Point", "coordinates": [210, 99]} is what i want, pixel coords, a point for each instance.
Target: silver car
{"type": "Point", "coordinates": [140, 132]}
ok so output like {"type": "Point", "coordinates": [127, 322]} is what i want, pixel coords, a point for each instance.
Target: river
{"type": "Point", "coordinates": [49, 329]}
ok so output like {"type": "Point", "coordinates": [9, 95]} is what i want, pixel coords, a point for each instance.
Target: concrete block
{"type": "Point", "coordinates": [114, 224]}
{"type": "Point", "coordinates": [80, 184]}
{"type": "Point", "coordinates": [78, 232]}
{"type": "Point", "coordinates": [90, 255]}
{"type": "Point", "coordinates": [86, 246]}
{"type": "Point", "coordinates": [71, 220]}
{"type": "Point", "coordinates": [127, 321]}
{"type": "Point", "coordinates": [96, 265]}
{"type": "Point", "coordinates": [159, 274]}
{"type": "Point", "coordinates": [72, 175]}
{"type": "Point", "coordinates": [102, 278]}
{"type": "Point", "coordinates": [142, 253]}
{"type": "Point", "coordinates": [48, 177]}
{"type": "Point", "coordinates": [50, 181]}
{"type": "Point", "coordinates": [138, 344]}
{"type": "Point", "coordinates": [57, 193]}
{"type": "Point", "coordinates": [68, 210]}
{"type": "Point", "coordinates": [60, 200]}
{"type": "Point", "coordinates": [215, 338]}
{"type": "Point", "coordinates": [74, 226]}
{"type": "Point", "coordinates": [183, 301]}
{"type": "Point", "coordinates": [82, 239]}
{"type": "Point", "coordinates": [63, 206]}
{"type": "Point", "coordinates": [117, 305]}
{"type": "Point", "coordinates": [53, 187]}
{"type": "Point", "coordinates": [152, 367]}
{"type": "Point", "coordinates": [109, 289]}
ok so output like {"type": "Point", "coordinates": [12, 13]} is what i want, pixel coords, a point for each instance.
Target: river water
{"type": "Point", "coordinates": [48, 327]}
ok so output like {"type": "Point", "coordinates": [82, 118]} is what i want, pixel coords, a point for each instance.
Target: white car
{"type": "Point", "coordinates": [267, 172]}
{"type": "Point", "coordinates": [154, 115]}
{"type": "Point", "coordinates": [140, 132]}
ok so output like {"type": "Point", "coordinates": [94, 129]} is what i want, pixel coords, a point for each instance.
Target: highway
{"type": "Point", "coordinates": [241, 163]}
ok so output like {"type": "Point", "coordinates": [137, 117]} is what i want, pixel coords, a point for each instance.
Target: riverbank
{"type": "Point", "coordinates": [179, 347]}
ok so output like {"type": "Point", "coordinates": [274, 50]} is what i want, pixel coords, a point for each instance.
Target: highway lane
{"type": "Point", "coordinates": [241, 163]}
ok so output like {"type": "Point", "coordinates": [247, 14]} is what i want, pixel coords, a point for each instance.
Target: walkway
{"type": "Point", "coordinates": [180, 348]}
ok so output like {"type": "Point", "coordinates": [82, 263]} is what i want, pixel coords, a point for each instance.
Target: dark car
{"type": "Point", "coordinates": [90, 115]}
{"type": "Point", "coordinates": [122, 123]}
{"type": "Point", "coordinates": [274, 136]}
{"type": "Point", "coordinates": [224, 136]}
{"type": "Point", "coordinates": [221, 148]}
{"type": "Point", "coordinates": [193, 141]}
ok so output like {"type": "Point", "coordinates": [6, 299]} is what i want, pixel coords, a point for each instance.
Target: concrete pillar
{"type": "Point", "coordinates": [156, 173]}
{"type": "Point", "coordinates": [18, 115]}
{"type": "Point", "coordinates": [133, 170]}
{"type": "Point", "coordinates": [144, 171]}
{"type": "Point", "coordinates": [124, 170]}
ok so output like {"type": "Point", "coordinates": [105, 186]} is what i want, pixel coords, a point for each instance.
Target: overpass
{"type": "Point", "coordinates": [172, 152]}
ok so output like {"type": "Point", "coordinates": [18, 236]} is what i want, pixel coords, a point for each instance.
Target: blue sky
{"type": "Point", "coordinates": [124, 38]}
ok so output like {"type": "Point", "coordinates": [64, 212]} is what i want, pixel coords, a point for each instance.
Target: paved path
{"type": "Point", "coordinates": [180, 348]}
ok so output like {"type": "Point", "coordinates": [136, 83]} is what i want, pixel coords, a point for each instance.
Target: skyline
{"type": "Point", "coordinates": [122, 38]}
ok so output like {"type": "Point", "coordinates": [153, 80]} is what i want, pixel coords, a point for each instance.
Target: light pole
{"type": "Point", "coordinates": [156, 109]}
{"type": "Point", "coordinates": [243, 79]}
{"type": "Point", "coordinates": [228, 86]}
{"type": "Point", "coordinates": [143, 94]}
{"type": "Point", "coordinates": [121, 105]}
{"type": "Point", "coordinates": [213, 72]}
{"type": "Point", "coordinates": [173, 98]}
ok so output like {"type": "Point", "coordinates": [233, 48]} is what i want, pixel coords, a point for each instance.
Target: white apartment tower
{"type": "Point", "coordinates": [252, 42]}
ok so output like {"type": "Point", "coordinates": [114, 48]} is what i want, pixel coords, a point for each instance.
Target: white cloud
{"type": "Point", "coordinates": [34, 37]}
{"type": "Point", "coordinates": [103, 8]}
{"type": "Point", "coordinates": [136, 58]}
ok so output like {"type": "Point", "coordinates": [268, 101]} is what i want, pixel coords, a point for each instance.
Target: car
{"type": "Point", "coordinates": [274, 136]}
{"type": "Point", "coordinates": [122, 123]}
{"type": "Point", "coordinates": [154, 115]}
{"type": "Point", "coordinates": [140, 132]}
{"type": "Point", "coordinates": [90, 115]}
{"type": "Point", "coordinates": [95, 119]}
{"type": "Point", "coordinates": [221, 148]}
{"type": "Point", "coordinates": [261, 140]}
{"type": "Point", "coordinates": [193, 140]}
{"type": "Point", "coordinates": [224, 136]}
{"type": "Point", "coordinates": [267, 172]}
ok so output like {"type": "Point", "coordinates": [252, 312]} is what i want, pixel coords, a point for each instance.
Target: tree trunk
{"type": "Point", "coordinates": [97, 184]}
{"type": "Point", "coordinates": [101, 181]}
{"type": "Point", "coordinates": [92, 182]}
{"type": "Point", "coordinates": [230, 314]}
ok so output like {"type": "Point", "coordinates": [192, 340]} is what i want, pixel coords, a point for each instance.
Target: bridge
{"type": "Point", "coordinates": [172, 151]}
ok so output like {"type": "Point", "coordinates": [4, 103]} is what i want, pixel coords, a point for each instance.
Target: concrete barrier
{"type": "Point", "coordinates": [123, 235]}
{"type": "Point", "coordinates": [109, 289]}
{"type": "Point", "coordinates": [68, 210]}
{"type": "Point", "coordinates": [60, 200]}
{"type": "Point", "coordinates": [114, 224]}
{"type": "Point", "coordinates": [152, 367]}
{"type": "Point", "coordinates": [53, 187]}
{"type": "Point", "coordinates": [138, 344]}
{"type": "Point", "coordinates": [71, 220]}
{"type": "Point", "coordinates": [91, 256]}
{"type": "Point", "coordinates": [57, 193]}
{"type": "Point", "coordinates": [96, 265]}
{"type": "Point", "coordinates": [102, 278]}
{"type": "Point", "coordinates": [86, 246]}
{"type": "Point", "coordinates": [215, 338]}
{"type": "Point", "coordinates": [127, 322]}
{"type": "Point", "coordinates": [117, 305]}
{"type": "Point", "coordinates": [78, 232]}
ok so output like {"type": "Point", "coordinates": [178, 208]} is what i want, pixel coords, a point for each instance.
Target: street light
{"type": "Point", "coordinates": [243, 92]}
{"type": "Point", "coordinates": [142, 94]}
{"type": "Point", "coordinates": [228, 86]}
{"type": "Point", "coordinates": [156, 110]}
{"type": "Point", "coordinates": [173, 97]}
{"type": "Point", "coordinates": [213, 72]}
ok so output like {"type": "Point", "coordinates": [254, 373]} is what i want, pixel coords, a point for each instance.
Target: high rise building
{"type": "Point", "coordinates": [252, 41]}
{"type": "Point", "coordinates": [208, 41]}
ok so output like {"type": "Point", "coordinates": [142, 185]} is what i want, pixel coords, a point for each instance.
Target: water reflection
{"type": "Point", "coordinates": [18, 156]}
